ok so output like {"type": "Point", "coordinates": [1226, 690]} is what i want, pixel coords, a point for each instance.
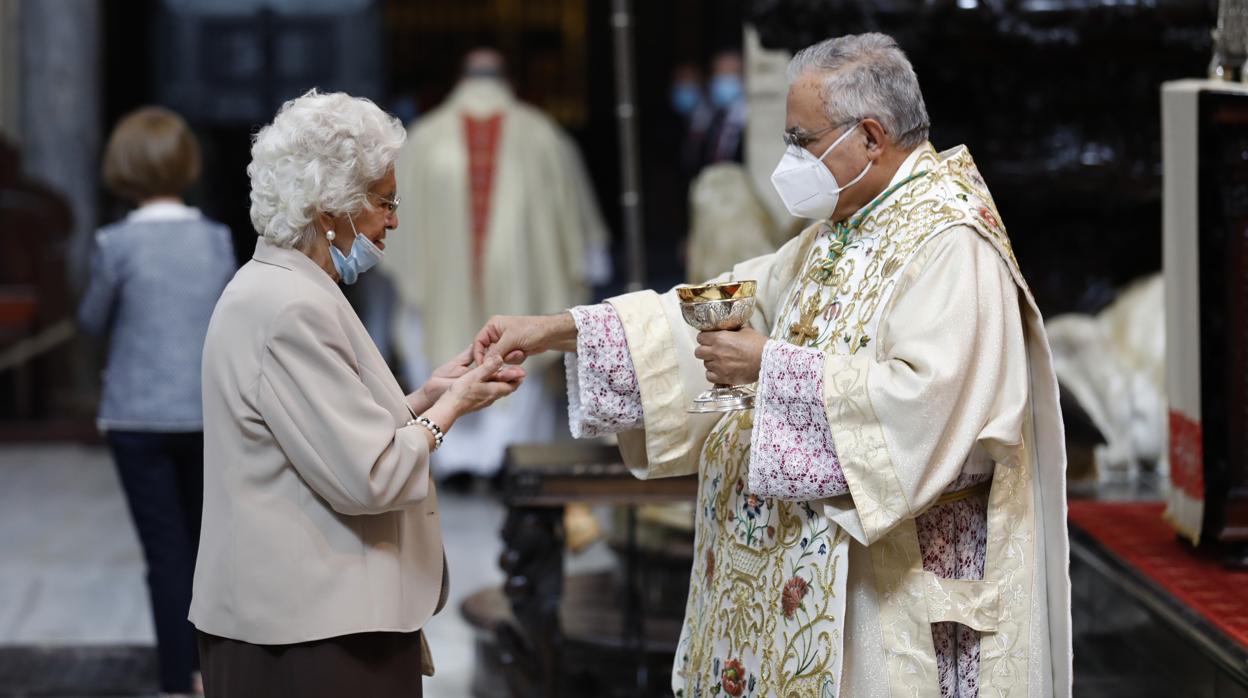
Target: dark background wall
{"type": "Point", "coordinates": [1059, 102]}
{"type": "Point", "coordinates": [229, 73]}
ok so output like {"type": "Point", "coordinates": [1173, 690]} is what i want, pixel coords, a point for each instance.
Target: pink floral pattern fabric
{"type": "Point", "coordinates": [792, 456]}
{"type": "Point", "coordinates": [603, 395]}
{"type": "Point", "coordinates": [953, 539]}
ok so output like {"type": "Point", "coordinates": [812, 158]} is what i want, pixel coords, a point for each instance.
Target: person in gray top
{"type": "Point", "coordinates": [154, 279]}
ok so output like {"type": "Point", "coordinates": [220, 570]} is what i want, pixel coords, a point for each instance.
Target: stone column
{"type": "Point", "coordinates": [60, 104]}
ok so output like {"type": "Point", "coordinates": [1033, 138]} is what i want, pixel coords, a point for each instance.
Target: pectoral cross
{"type": "Point", "coordinates": [804, 330]}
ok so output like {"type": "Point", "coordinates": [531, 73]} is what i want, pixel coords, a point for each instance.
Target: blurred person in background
{"type": "Point", "coordinates": [729, 223]}
{"type": "Point", "coordinates": [322, 551]}
{"type": "Point", "coordinates": [686, 95]}
{"type": "Point", "coordinates": [669, 174]}
{"type": "Point", "coordinates": [504, 218]}
{"type": "Point", "coordinates": [717, 127]}
{"type": "Point", "coordinates": [154, 279]}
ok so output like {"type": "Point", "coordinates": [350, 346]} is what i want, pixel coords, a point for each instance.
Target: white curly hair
{"type": "Point", "coordinates": [321, 154]}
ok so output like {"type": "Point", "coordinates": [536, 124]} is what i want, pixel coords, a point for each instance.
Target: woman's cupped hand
{"type": "Point", "coordinates": [478, 387]}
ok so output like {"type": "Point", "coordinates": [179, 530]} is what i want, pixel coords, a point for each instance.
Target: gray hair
{"type": "Point", "coordinates": [867, 76]}
{"type": "Point", "coordinates": [321, 154]}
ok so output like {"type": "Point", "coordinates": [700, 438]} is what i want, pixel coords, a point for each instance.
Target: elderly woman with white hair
{"type": "Point", "coordinates": [321, 554]}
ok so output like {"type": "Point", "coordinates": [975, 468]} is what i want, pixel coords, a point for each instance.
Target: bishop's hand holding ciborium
{"type": "Point", "coordinates": [715, 307]}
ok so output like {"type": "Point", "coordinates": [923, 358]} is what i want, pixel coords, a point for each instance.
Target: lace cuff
{"type": "Point", "coordinates": [603, 396]}
{"type": "Point", "coordinates": [792, 456]}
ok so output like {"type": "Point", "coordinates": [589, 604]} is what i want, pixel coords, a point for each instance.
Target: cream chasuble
{"type": "Point", "coordinates": [544, 239]}
{"type": "Point", "coordinates": [498, 218]}
{"type": "Point", "coordinates": [934, 369]}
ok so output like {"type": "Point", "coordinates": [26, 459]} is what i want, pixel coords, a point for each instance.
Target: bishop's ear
{"type": "Point", "coordinates": [875, 134]}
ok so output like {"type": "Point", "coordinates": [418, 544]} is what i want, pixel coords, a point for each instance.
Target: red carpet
{"type": "Point", "coordinates": [1136, 533]}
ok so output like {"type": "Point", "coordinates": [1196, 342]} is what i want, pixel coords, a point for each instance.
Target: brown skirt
{"type": "Point", "coordinates": [382, 665]}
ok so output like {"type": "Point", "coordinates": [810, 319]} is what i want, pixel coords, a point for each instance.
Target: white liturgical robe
{"type": "Point", "coordinates": [498, 217]}
{"type": "Point", "coordinates": [889, 520]}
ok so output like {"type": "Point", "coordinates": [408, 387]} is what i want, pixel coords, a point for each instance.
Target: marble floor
{"type": "Point", "coordinates": [71, 572]}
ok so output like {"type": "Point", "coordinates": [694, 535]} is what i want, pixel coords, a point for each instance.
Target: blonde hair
{"type": "Point", "coordinates": [150, 153]}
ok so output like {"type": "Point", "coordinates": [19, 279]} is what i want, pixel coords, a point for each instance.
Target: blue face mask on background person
{"type": "Point", "coordinates": [364, 256]}
{"type": "Point", "coordinates": [726, 90]}
{"type": "Point", "coordinates": [685, 97]}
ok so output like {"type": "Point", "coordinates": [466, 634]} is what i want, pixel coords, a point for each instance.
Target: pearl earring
{"type": "Point", "coordinates": [329, 235]}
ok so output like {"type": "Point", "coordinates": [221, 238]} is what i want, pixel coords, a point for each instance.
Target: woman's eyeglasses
{"type": "Point", "coordinates": [390, 206]}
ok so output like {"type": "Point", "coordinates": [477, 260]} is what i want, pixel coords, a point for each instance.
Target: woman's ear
{"type": "Point", "coordinates": [323, 222]}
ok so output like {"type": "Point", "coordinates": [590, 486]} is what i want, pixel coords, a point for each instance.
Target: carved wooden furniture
{"type": "Point", "coordinates": [584, 635]}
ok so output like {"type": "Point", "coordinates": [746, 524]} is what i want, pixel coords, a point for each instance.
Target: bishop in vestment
{"type": "Point", "coordinates": [889, 519]}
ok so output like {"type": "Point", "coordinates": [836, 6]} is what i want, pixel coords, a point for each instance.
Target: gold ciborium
{"type": "Point", "coordinates": [714, 307]}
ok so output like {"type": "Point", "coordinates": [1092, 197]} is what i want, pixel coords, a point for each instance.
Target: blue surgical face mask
{"type": "Point", "coordinates": [685, 97]}
{"type": "Point", "coordinates": [364, 256]}
{"type": "Point", "coordinates": [726, 90]}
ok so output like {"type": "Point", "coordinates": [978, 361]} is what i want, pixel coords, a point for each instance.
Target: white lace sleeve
{"type": "Point", "coordinates": [603, 396]}
{"type": "Point", "coordinates": [792, 456]}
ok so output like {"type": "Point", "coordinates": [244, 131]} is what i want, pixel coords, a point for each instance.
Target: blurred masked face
{"type": "Point", "coordinates": [686, 92]}
{"type": "Point", "coordinates": [727, 87]}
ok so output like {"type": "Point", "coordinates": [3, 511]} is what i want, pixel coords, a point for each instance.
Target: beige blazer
{"type": "Point", "coordinates": [320, 517]}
